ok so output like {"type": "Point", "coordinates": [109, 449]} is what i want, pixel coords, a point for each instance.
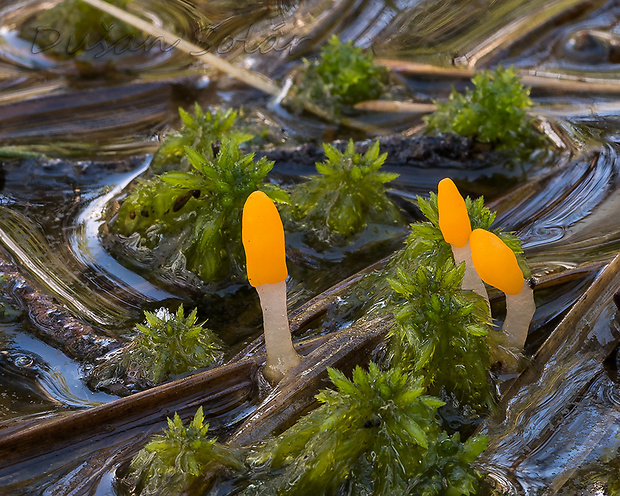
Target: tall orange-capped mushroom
{"type": "Point", "coordinates": [263, 239]}
{"type": "Point", "coordinates": [497, 265]}
{"type": "Point", "coordinates": [456, 229]}
{"type": "Point", "coordinates": [453, 218]}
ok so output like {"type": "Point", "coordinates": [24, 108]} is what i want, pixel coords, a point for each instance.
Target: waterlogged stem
{"type": "Point", "coordinates": [520, 309]}
{"type": "Point", "coordinates": [281, 356]}
{"type": "Point", "coordinates": [471, 279]}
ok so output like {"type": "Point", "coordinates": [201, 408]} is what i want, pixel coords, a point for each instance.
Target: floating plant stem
{"type": "Point", "coordinates": [546, 80]}
{"type": "Point", "coordinates": [497, 265]}
{"type": "Point", "coordinates": [263, 240]}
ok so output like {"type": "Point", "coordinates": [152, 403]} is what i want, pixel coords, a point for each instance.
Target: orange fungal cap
{"type": "Point", "coordinates": [453, 218]}
{"type": "Point", "coordinates": [495, 263]}
{"type": "Point", "coordinates": [263, 239]}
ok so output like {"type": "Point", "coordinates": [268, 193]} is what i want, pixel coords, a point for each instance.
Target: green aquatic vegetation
{"type": "Point", "coordinates": [375, 434]}
{"type": "Point", "coordinates": [167, 344]}
{"type": "Point", "coordinates": [342, 76]}
{"type": "Point", "coordinates": [426, 245]}
{"type": "Point", "coordinates": [199, 210]}
{"type": "Point", "coordinates": [494, 112]}
{"type": "Point", "coordinates": [72, 28]}
{"type": "Point", "coordinates": [177, 457]}
{"type": "Point", "coordinates": [202, 131]}
{"type": "Point", "coordinates": [441, 334]}
{"type": "Point", "coordinates": [346, 196]}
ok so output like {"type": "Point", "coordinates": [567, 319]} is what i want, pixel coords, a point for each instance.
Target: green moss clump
{"type": "Point", "coordinates": [71, 28]}
{"type": "Point", "coordinates": [176, 458]}
{"type": "Point", "coordinates": [348, 194]}
{"type": "Point", "coordinates": [167, 345]}
{"type": "Point", "coordinates": [199, 210]}
{"type": "Point", "coordinates": [200, 132]}
{"type": "Point", "coordinates": [494, 112]}
{"type": "Point", "coordinates": [342, 76]}
{"type": "Point", "coordinates": [376, 434]}
{"type": "Point", "coordinates": [440, 334]}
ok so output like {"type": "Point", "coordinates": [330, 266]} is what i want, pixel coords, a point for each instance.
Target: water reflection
{"type": "Point", "coordinates": [31, 386]}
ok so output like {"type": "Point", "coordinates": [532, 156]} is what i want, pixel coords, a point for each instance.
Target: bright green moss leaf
{"type": "Point", "coordinates": [494, 112]}
{"type": "Point", "coordinates": [375, 434]}
{"type": "Point", "coordinates": [167, 345]}
{"type": "Point", "coordinates": [440, 334]}
{"type": "Point", "coordinates": [200, 132]}
{"type": "Point", "coordinates": [342, 76]}
{"type": "Point", "coordinates": [348, 194]}
{"type": "Point", "coordinates": [199, 210]}
{"type": "Point", "coordinates": [71, 28]}
{"type": "Point", "coordinates": [174, 459]}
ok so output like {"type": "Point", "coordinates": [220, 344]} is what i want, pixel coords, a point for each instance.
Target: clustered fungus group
{"type": "Point", "coordinates": [487, 258]}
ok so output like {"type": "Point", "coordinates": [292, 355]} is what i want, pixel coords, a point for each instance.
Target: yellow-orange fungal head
{"type": "Point", "coordinates": [263, 239]}
{"type": "Point", "coordinates": [495, 263]}
{"type": "Point", "coordinates": [453, 218]}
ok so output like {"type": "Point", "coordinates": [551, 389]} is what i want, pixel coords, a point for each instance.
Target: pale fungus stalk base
{"type": "Point", "coordinates": [281, 356]}
{"type": "Point", "coordinates": [519, 311]}
{"type": "Point", "coordinates": [471, 279]}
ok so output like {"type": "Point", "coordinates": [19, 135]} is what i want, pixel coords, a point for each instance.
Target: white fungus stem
{"type": "Point", "coordinates": [471, 279]}
{"type": "Point", "coordinates": [520, 309]}
{"type": "Point", "coordinates": [281, 356]}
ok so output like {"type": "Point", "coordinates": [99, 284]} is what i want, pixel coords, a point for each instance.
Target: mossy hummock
{"type": "Point", "coordinates": [375, 434]}
{"type": "Point", "coordinates": [198, 211]}
{"type": "Point", "coordinates": [347, 195]}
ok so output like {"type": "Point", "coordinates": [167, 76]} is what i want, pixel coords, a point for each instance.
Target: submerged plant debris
{"type": "Point", "coordinates": [71, 28]}
{"type": "Point", "coordinates": [347, 195]}
{"type": "Point", "coordinates": [375, 434]}
{"type": "Point", "coordinates": [168, 345]}
{"type": "Point", "coordinates": [494, 112]}
{"type": "Point", "coordinates": [176, 458]}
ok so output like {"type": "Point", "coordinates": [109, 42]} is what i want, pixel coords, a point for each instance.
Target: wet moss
{"type": "Point", "coordinates": [197, 211]}
{"type": "Point", "coordinates": [375, 434]}
{"type": "Point", "coordinates": [347, 195]}
{"type": "Point", "coordinates": [342, 76]}
{"type": "Point", "coordinates": [494, 112]}
{"type": "Point", "coordinates": [177, 457]}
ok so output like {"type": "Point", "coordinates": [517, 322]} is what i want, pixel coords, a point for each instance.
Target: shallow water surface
{"type": "Point", "coordinates": [97, 121]}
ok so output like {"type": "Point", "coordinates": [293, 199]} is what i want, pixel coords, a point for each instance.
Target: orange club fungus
{"type": "Point", "coordinates": [456, 229]}
{"type": "Point", "coordinates": [497, 265]}
{"type": "Point", "coordinates": [263, 241]}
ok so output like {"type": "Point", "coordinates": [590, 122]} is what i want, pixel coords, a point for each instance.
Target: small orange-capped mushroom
{"type": "Point", "coordinates": [495, 263]}
{"type": "Point", "coordinates": [453, 218]}
{"type": "Point", "coordinates": [263, 240]}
